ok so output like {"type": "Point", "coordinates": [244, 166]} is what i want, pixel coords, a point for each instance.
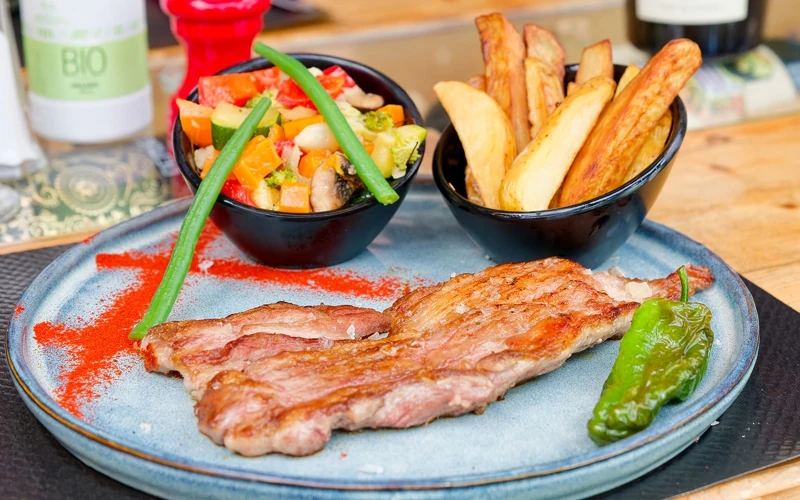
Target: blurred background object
{"type": "Point", "coordinates": [19, 151]}
{"type": "Point", "coordinates": [215, 34]}
{"type": "Point", "coordinates": [719, 27]}
{"type": "Point", "coordinates": [86, 64]}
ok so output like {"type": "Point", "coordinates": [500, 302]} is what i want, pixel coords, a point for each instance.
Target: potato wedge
{"type": "Point", "coordinates": [595, 61]}
{"type": "Point", "coordinates": [571, 86]}
{"type": "Point", "coordinates": [477, 82]}
{"type": "Point", "coordinates": [537, 102]}
{"type": "Point", "coordinates": [603, 162]}
{"type": "Point", "coordinates": [536, 174]}
{"type": "Point", "coordinates": [652, 147]}
{"type": "Point", "coordinates": [655, 140]}
{"type": "Point", "coordinates": [473, 194]}
{"type": "Point", "coordinates": [503, 52]}
{"type": "Point", "coordinates": [630, 73]}
{"type": "Point", "coordinates": [485, 132]}
{"type": "Point", "coordinates": [545, 92]}
{"type": "Point", "coordinates": [542, 45]}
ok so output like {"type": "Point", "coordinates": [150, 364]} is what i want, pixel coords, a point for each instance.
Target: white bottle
{"type": "Point", "coordinates": [87, 68]}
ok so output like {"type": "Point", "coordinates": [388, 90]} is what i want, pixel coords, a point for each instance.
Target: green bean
{"type": "Point", "coordinates": [195, 219]}
{"type": "Point", "coordinates": [352, 147]}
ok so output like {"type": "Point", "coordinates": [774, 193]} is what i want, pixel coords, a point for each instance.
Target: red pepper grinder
{"type": "Point", "coordinates": [215, 34]}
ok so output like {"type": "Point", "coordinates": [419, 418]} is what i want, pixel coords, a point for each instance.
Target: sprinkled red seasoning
{"type": "Point", "coordinates": [18, 309]}
{"type": "Point", "coordinates": [94, 347]}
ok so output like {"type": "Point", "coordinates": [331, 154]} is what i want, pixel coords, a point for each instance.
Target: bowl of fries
{"type": "Point", "coordinates": [543, 158]}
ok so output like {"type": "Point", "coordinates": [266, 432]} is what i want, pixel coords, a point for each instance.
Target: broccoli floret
{"type": "Point", "coordinates": [378, 121]}
{"type": "Point", "coordinates": [278, 177]}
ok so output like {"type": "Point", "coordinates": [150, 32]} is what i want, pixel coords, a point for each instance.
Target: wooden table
{"type": "Point", "coordinates": [735, 189]}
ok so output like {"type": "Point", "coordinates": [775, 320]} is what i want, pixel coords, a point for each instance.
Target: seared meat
{"type": "Point", "coordinates": [199, 349]}
{"type": "Point", "coordinates": [452, 349]}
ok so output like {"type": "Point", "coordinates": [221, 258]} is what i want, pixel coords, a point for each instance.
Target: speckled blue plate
{"type": "Point", "coordinates": [139, 427]}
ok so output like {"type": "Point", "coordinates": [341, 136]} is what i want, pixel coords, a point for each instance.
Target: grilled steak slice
{"type": "Point", "coordinates": [199, 349]}
{"type": "Point", "coordinates": [452, 349]}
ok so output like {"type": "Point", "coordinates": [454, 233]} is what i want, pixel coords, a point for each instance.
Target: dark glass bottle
{"type": "Point", "coordinates": [719, 27]}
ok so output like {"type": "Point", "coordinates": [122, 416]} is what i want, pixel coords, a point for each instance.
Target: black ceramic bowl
{"type": "Point", "coordinates": [305, 240]}
{"type": "Point", "coordinates": [588, 233]}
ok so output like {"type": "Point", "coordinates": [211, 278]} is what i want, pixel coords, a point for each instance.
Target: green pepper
{"type": "Point", "coordinates": [207, 194]}
{"type": "Point", "coordinates": [662, 358]}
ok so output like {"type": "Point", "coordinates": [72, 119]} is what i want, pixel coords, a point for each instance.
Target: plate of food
{"type": "Point", "coordinates": [164, 353]}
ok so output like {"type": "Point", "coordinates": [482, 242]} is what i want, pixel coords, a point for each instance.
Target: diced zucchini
{"type": "Point", "coordinates": [226, 118]}
{"type": "Point", "coordinates": [382, 153]}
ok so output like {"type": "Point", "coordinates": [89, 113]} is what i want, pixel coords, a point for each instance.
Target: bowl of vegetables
{"type": "Point", "coordinates": [294, 198]}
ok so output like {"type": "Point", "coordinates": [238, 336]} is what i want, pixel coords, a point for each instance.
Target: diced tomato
{"type": "Point", "coordinates": [235, 89]}
{"type": "Point", "coordinates": [339, 71]}
{"type": "Point", "coordinates": [291, 95]}
{"type": "Point", "coordinates": [267, 79]}
{"type": "Point", "coordinates": [332, 84]}
{"type": "Point", "coordinates": [234, 190]}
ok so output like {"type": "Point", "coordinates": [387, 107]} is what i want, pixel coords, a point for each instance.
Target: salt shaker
{"type": "Point", "coordinates": [19, 151]}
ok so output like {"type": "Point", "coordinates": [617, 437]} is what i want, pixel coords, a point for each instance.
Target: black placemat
{"type": "Point", "coordinates": [761, 428]}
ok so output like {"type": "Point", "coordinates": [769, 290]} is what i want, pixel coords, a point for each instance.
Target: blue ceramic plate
{"type": "Point", "coordinates": [78, 374]}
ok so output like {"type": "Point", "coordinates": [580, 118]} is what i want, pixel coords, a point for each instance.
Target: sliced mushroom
{"type": "Point", "coordinates": [361, 100]}
{"type": "Point", "coordinates": [333, 183]}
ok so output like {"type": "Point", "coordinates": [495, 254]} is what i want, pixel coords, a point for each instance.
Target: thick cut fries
{"type": "Point", "coordinates": [472, 188]}
{"type": "Point", "coordinates": [477, 82]}
{"type": "Point", "coordinates": [595, 61]}
{"type": "Point", "coordinates": [603, 162]}
{"type": "Point", "coordinates": [544, 75]}
{"type": "Point", "coordinates": [485, 133]}
{"type": "Point", "coordinates": [652, 147]}
{"type": "Point", "coordinates": [537, 100]}
{"type": "Point", "coordinates": [542, 45]}
{"type": "Point", "coordinates": [537, 173]}
{"type": "Point", "coordinates": [503, 53]}
{"type": "Point", "coordinates": [545, 92]}
{"type": "Point", "coordinates": [630, 73]}
{"type": "Point", "coordinates": [655, 140]}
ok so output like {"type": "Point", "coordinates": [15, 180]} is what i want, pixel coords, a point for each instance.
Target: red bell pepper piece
{"type": "Point", "coordinates": [291, 95]}
{"type": "Point", "coordinates": [235, 89]}
{"type": "Point", "coordinates": [267, 79]}
{"type": "Point", "coordinates": [234, 190]}
{"type": "Point", "coordinates": [339, 71]}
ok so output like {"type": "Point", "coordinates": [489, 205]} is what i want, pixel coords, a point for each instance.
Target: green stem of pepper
{"type": "Point", "coordinates": [195, 219]}
{"type": "Point", "coordinates": [352, 147]}
{"type": "Point", "coordinates": [684, 283]}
